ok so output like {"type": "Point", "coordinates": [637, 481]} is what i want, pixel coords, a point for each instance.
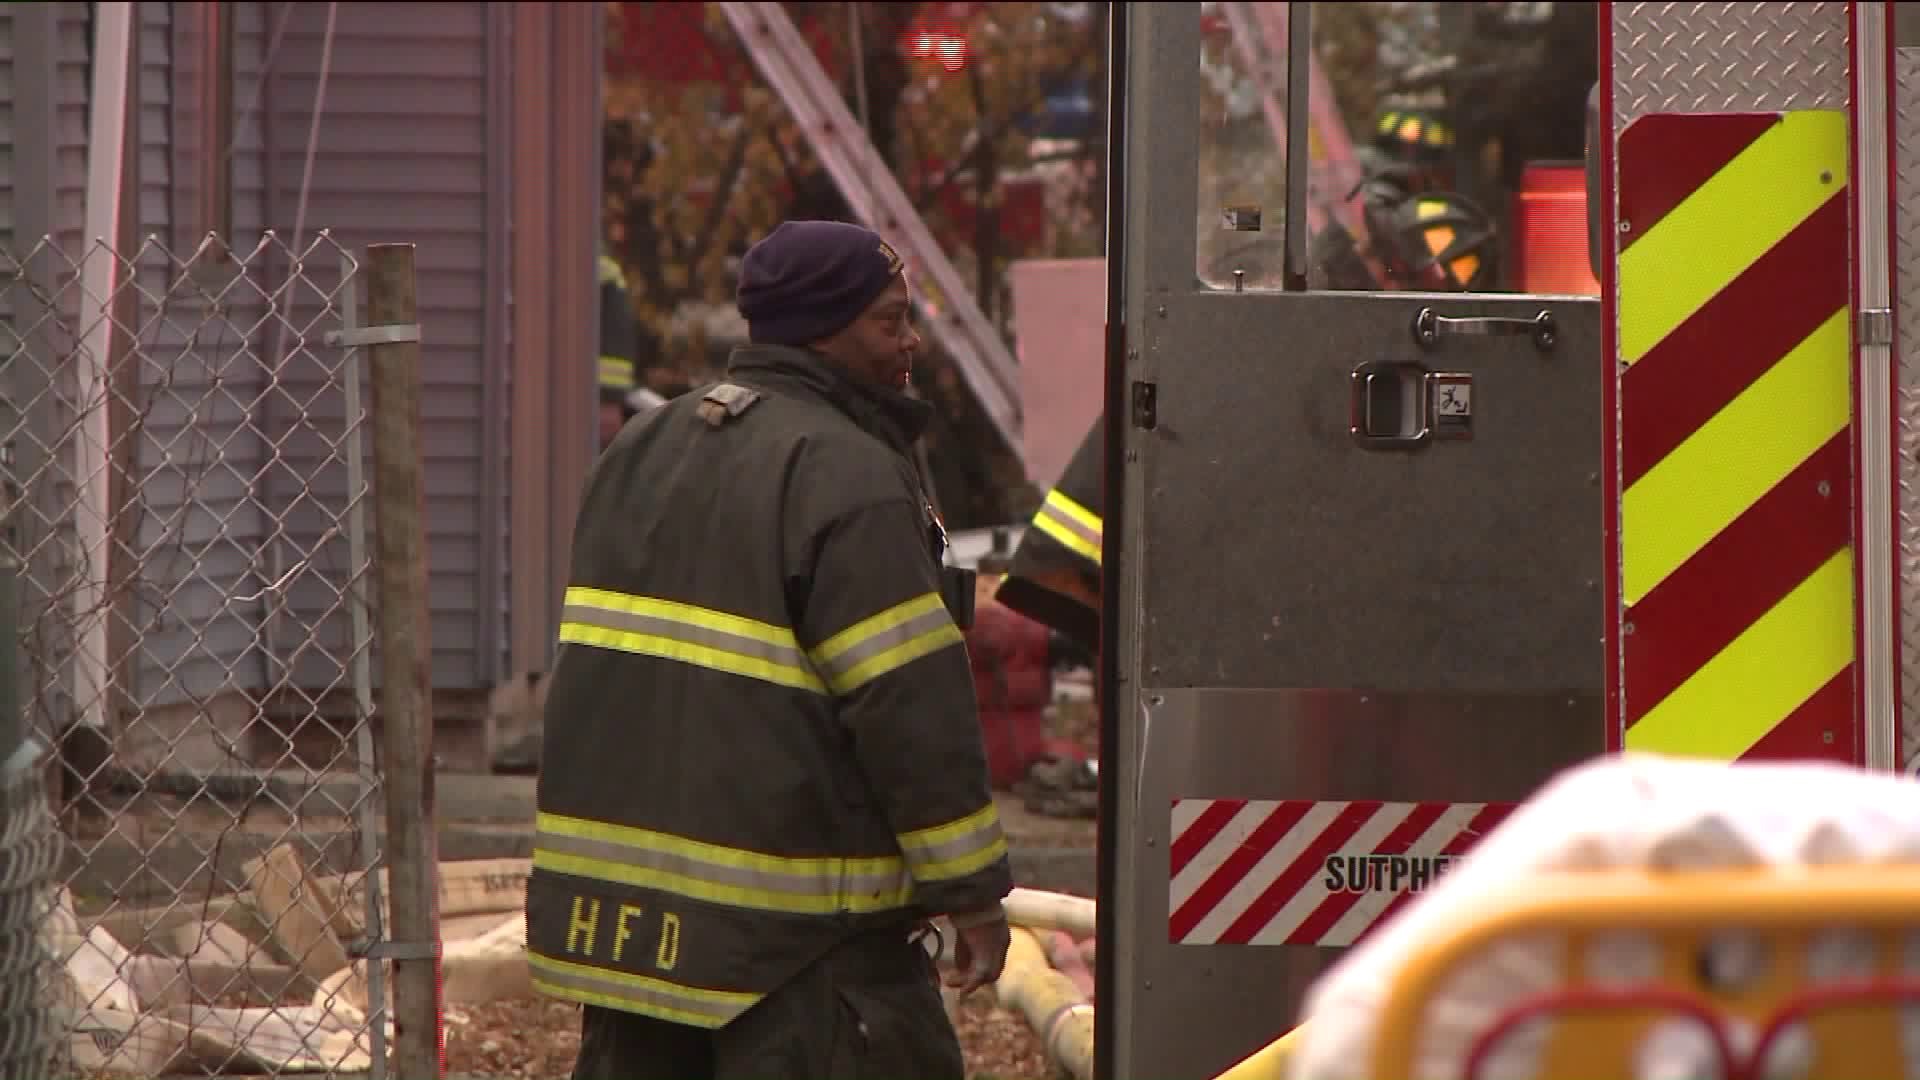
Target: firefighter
{"type": "Point", "coordinates": [619, 350]}
{"type": "Point", "coordinates": [762, 770]}
{"type": "Point", "coordinates": [1055, 578]}
{"type": "Point", "coordinates": [1413, 144]}
{"type": "Point", "coordinates": [1438, 241]}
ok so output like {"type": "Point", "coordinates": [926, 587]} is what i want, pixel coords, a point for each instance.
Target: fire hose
{"type": "Point", "coordinates": [1057, 1009]}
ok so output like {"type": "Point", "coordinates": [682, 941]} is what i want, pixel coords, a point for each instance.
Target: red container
{"type": "Point", "coordinates": [1014, 684]}
{"type": "Point", "coordinates": [1550, 225]}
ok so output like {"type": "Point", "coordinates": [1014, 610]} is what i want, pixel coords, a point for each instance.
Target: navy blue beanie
{"type": "Point", "coordinates": [808, 279]}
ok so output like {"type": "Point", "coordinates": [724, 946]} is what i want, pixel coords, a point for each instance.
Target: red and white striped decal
{"type": "Point", "coordinates": [1254, 872]}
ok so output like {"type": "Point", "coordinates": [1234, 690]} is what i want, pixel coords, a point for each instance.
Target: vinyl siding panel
{"type": "Point", "coordinates": [201, 523]}
{"type": "Point", "coordinates": [402, 157]}
{"type": "Point", "coordinates": [237, 449]}
{"type": "Point", "coordinates": [48, 89]}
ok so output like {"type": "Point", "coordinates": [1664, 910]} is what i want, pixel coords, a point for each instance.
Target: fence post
{"type": "Point", "coordinates": [30, 841]}
{"type": "Point", "coordinates": [400, 565]}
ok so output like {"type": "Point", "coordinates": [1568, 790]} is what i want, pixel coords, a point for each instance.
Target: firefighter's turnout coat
{"type": "Point", "coordinates": [761, 734]}
{"type": "Point", "coordinates": [619, 334]}
{"type": "Point", "coordinates": [1055, 576]}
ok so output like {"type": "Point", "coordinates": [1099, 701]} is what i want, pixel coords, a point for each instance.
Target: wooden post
{"type": "Point", "coordinates": [403, 645]}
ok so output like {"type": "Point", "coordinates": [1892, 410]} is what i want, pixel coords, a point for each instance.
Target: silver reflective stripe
{"type": "Point", "coordinates": [858, 656]}
{"type": "Point", "coordinates": [1059, 515]}
{"type": "Point", "coordinates": [679, 630]}
{"type": "Point", "coordinates": [827, 886]}
{"type": "Point", "coordinates": [956, 857]}
{"type": "Point", "coordinates": [957, 848]}
{"type": "Point", "coordinates": [654, 997]}
{"type": "Point", "coordinates": [1071, 525]}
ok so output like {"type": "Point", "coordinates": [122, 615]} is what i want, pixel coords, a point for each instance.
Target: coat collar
{"type": "Point", "coordinates": [888, 415]}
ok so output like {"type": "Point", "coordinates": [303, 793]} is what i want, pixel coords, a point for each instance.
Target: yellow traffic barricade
{"type": "Point", "coordinates": [1646, 919]}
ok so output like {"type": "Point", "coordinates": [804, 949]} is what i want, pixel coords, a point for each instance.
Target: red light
{"type": "Point", "coordinates": [936, 44]}
{"type": "Point", "coordinates": [1550, 215]}
{"type": "Point", "coordinates": [953, 54]}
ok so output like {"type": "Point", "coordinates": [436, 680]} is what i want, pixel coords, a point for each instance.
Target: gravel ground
{"type": "Point", "coordinates": [497, 1041]}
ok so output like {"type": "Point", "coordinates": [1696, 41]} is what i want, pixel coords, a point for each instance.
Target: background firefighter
{"type": "Point", "coordinates": [1055, 576]}
{"type": "Point", "coordinates": [762, 768]}
{"type": "Point", "coordinates": [619, 350]}
{"type": "Point", "coordinates": [1054, 579]}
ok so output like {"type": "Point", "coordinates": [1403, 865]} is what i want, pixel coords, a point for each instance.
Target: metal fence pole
{"type": "Point", "coordinates": [30, 846]}
{"type": "Point", "coordinates": [399, 528]}
{"type": "Point", "coordinates": [362, 670]}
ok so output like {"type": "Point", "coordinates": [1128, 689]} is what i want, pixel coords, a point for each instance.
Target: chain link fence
{"type": "Point", "coordinates": [189, 505]}
{"type": "Point", "coordinates": [29, 856]}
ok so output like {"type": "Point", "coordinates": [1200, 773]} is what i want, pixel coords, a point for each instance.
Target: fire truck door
{"type": "Point", "coordinates": [1359, 585]}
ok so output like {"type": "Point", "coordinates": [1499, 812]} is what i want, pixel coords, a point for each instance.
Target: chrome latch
{"type": "Point", "coordinates": [1401, 406]}
{"type": "Point", "coordinates": [1429, 325]}
{"type": "Point", "coordinates": [1876, 327]}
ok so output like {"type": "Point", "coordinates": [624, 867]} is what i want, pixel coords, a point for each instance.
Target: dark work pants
{"type": "Point", "coordinates": [867, 1011]}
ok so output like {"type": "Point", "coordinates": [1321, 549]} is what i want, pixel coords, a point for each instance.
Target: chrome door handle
{"type": "Point", "coordinates": [1429, 326]}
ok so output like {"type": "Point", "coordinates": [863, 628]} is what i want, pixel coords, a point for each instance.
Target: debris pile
{"type": "Point", "coordinates": [273, 979]}
{"type": "Point", "coordinates": [265, 981]}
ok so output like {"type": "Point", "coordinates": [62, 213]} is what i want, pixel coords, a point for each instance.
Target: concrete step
{"type": "Point", "coordinates": [480, 817]}
{"type": "Point", "coordinates": [458, 796]}
{"type": "Point", "coordinates": [191, 869]}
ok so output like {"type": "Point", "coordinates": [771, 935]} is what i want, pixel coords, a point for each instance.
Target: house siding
{"type": "Point", "coordinates": [200, 521]}
{"type": "Point", "coordinates": [402, 157]}
{"type": "Point", "coordinates": [237, 471]}
{"type": "Point", "coordinates": [46, 91]}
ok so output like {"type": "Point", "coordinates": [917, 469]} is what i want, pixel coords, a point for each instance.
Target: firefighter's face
{"type": "Point", "coordinates": [879, 345]}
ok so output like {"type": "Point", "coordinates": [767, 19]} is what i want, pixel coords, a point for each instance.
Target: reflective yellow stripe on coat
{"type": "Point", "coordinates": [693, 635]}
{"type": "Point", "coordinates": [646, 859]}
{"type": "Point", "coordinates": [886, 642]}
{"type": "Point", "coordinates": [618, 990]}
{"type": "Point", "coordinates": [956, 849]}
{"type": "Point", "coordinates": [616, 373]}
{"type": "Point", "coordinates": [753, 880]}
{"type": "Point", "coordinates": [1073, 526]}
{"type": "Point", "coordinates": [670, 630]}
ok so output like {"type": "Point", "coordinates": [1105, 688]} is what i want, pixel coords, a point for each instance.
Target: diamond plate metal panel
{"type": "Point", "coordinates": [1751, 57]}
{"type": "Point", "coordinates": [1906, 150]}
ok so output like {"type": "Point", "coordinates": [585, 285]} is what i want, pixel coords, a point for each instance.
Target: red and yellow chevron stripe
{"type": "Point", "coordinates": [1735, 427]}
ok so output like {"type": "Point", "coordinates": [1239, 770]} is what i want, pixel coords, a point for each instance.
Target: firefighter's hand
{"type": "Point", "coordinates": [980, 940]}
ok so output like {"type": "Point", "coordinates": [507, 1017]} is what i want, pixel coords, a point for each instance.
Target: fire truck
{"type": "Point", "coordinates": [1376, 564]}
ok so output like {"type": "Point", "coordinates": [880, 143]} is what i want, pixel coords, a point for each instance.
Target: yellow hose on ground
{"type": "Point", "coordinates": [1040, 910]}
{"type": "Point", "coordinates": [1059, 1012]}
{"type": "Point", "coordinates": [1269, 1062]}
{"type": "Point", "coordinates": [1051, 1003]}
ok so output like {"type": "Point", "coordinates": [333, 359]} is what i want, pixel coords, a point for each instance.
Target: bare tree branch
{"type": "Point", "coordinates": [723, 191]}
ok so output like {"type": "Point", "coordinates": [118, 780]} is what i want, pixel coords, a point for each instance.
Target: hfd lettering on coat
{"type": "Point", "coordinates": [583, 933]}
{"type": "Point", "coordinates": [1384, 873]}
